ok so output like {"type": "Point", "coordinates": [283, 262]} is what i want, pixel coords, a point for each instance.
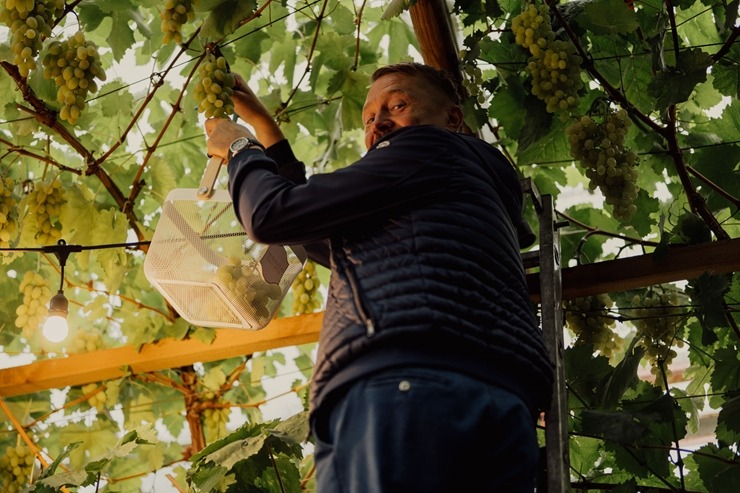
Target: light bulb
{"type": "Point", "coordinates": [56, 328]}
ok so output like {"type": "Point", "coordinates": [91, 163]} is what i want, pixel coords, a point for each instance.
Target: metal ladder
{"type": "Point", "coordinates": [548, 259]}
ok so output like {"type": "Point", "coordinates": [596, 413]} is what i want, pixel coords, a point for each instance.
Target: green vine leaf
{"type": "Point", "coordinates": [674, 84]}
{"type": "Point", "coordinates": [396, 8]}
{"type": "Point", "coordinates": [226, 18]}
{"type": "Point", "coordinates": [608, 17]}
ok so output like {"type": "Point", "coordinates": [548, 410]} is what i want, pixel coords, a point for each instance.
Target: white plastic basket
{"type": "Point", "coordinates": [206, 266]}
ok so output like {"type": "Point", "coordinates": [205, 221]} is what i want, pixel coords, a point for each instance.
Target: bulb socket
{"type": "Point", "coordinates": [59, 305]}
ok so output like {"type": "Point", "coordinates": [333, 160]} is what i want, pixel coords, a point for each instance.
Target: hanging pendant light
{"type": "Point", "coordinates": [56, 328]}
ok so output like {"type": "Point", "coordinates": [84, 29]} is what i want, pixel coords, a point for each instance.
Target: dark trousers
{"type": "Point", "coordinates": [428, 431]}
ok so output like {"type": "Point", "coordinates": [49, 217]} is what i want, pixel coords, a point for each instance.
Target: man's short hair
{"type": "Point", "coordinates": [438, 78]}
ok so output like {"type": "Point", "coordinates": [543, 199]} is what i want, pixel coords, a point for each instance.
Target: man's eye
{"type": "Point", "coordinates": [369, 121]}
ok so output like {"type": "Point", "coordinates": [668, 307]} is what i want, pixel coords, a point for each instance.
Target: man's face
{"type": "Point", "coordinates": [399, 100]}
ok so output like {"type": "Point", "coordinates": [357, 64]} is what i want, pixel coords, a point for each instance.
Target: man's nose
{"type": "Point", "coordinates": [382, 123]}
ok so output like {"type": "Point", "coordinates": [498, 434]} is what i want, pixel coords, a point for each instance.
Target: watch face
{"type": "Point", "coordinates": [239, 144]}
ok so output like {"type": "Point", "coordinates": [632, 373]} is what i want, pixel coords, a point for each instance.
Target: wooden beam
{"type": "Point", "coordinates": [114, 363]}
{"type": "Point", "coordinates": [675, 264]}
{"type": "Point", "coordinates": [433, 29]}
{"type": "Point", "coordinates": [678, 263]}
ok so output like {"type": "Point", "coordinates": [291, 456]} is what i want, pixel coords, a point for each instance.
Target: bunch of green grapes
{"type": "Point", "coordinates": [175, 14]}
{"type": "Point", "coordinates": [657, 318]}
{"type": "Point", "coordinates": [36, 294]}
{"type": "Point", "coordinates": [8, 213]}
{"type": "Point", "coordinates": [73, 65]}
{"type": "Point", "coordinates": [44, 205]}
{"type": "Point", "coordinates": [243, 283]}
{"type": "Point", "coordinates": [16, 467]}
{"type": "Point", "coordinates": [85, 341]}
{"type": "Point", "coordinates": [555, 66]}
{"type": "Point", "coordinates": [305, 287]}
{"type": "Point", "coordinates": [609, 165]}
{"type": "Point", "coordinates": [215, 420]}
{"type": "Point", "coordinates": [589, 320]}
{"type": "Point", "coordinates": [30, 23]}
{"type": "Point", "coordinates": [214, 87]}
{"type": "Point", "coordinates": [96, 400]}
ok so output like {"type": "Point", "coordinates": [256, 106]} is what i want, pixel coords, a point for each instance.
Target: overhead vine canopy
{"type": "Point", "coordinates": [625, 112]}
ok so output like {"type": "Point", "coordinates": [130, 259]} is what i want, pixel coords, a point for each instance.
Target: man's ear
{"type": "Point", "coordinates": [454, 118]}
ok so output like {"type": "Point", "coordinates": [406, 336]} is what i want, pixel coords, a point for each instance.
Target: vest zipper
{"type": "Point", "coordinates": [359, 305]}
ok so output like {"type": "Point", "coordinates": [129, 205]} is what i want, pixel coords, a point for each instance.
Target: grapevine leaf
{"type": "Point", "coordinates": [398, 35]}
{"type": "Point", "coordinates": [396, 8]}
{"type": "Point", "coordinates": [584, 372]}
{"type": "Point", "coordinates": [727, 75]}
{"type": "Point", "coordinates": [707, 294]}
{"type": "Point", "coordinates": [214, 379]}
{"type": "Point", "coordinates": [623, 377]}
{"type": "Point", "coordinates": [543, 138]}
{"type": "Point", "coordinates": [121, 37]}
{"type": "Point", "coordinates": [608, 17]}
{"type": "Point", "coordinates": [225, 18]}
{"type": "Point", "coordinates": [726, 375]}
{"type": "Point", "coordinates": [505, 108]}
{"type": "Point", "coordinates": [718, 467]}
{"type": "Point", "coordinates": [583, 452]}
{"type": "Point", "coordinates": [674, 84]}
{"type": "Point", "coordinates": [293, 430]}
{"type": "Point", "coordinates": [729, 415]}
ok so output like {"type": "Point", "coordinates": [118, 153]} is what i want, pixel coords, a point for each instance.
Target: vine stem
{"type": "Point", "coordinates": [679, 460]}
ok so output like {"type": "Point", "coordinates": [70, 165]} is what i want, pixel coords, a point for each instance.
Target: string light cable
{"type": "Point", "coordinates": [55, 328]}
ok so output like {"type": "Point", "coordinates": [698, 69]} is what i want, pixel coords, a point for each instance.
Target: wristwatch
{"type": "Point", "coordinates": [243, 143]}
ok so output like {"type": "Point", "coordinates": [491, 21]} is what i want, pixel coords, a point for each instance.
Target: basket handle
{"type": "Point", "coordinates": [205, 190]}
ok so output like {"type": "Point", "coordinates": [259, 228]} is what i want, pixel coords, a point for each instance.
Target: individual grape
{"type": "Point", "coordinates": [30, 23]}
{"type": "Point", "coordinates": [657, 318]}
{"type": "Point", "coordinates": [589, 320]}
{"type": "Point", "coordinates": [554, 65]}
{"type": "Point", "coordinates": [36, 295]}
{"type": "Point", "coordinates": [305, 288]}
{"type": "Point", "coordinates": [174, 15]}
{"type": "Point", "coordinates": [609, 165]}
{"type": "Point", "coordinates": [16, 467]}
{"type": "Point", "coordinates": [73, 64]}
{"type": "Point", "coordinates": [214, 87]}
{"type": "Point", "coordinates": [44, 206]}
{"type": "Point", "coordinates": [8, 214]}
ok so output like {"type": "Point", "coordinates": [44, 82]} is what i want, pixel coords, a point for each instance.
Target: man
{"type": "Point", "coordinates": [431, 369]}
